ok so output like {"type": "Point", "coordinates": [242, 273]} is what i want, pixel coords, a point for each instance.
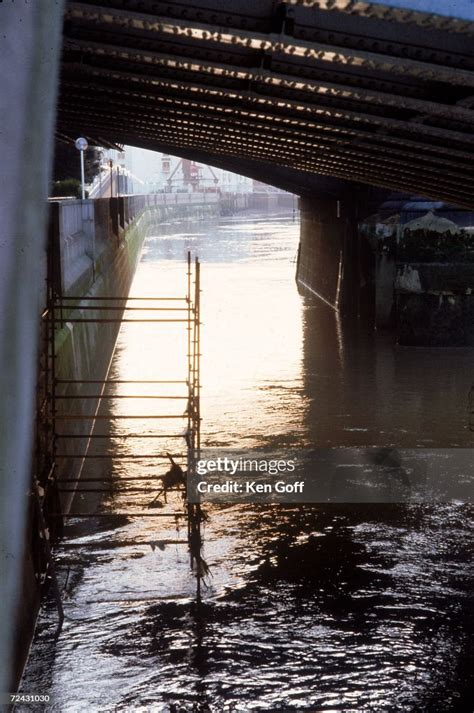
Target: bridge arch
{"type": "Point", "coordinates": [375, 93]}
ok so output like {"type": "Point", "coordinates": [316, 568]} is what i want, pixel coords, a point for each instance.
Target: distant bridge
{"type": "Point", "coordinates": [376, 93]}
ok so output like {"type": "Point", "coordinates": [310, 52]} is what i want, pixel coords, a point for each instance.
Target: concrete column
{"type": "Point", "coordinates": [336, 263]}
{"type": "Point", "coordinates": [29, 54]}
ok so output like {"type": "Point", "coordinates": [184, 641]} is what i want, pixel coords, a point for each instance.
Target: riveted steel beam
{"type": "Point", "coordinates": [313, 51]}
{"type": "Point", "coordinates": [389, 13]}
{"type": "Point", "coordinates": [292, 81]}
{"type": "Point", "coordinates": [105, 99]}
{"type": "Point", "coordinates": [191, 147]}
{"type": "Point", "coordinates": [422, 134]}
{"type": "Point", "coordinates": [257, 15]}
{"type": "Point", "coordinates": [311, 100]}
{"type": "Point", "coordinates": [232, 65]}
{"type": "Point", "coordinates": [235, 136]}
{"type": "Point", "coordinates": [388, 39]}
{"type": "Point", "coordinates": [181, 93]}
{"type": "Point", "coordinates": [315, 132]}
{"type": "Point", "coordinates": [190, 150]}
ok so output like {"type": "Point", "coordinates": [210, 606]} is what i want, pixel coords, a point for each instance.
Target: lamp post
{"type": "Point", "coordinates": [101, 156]}
{"type": "Point", "coordinates": [111, 163]}
{"type": "Point", "coordinates": [81, 145]}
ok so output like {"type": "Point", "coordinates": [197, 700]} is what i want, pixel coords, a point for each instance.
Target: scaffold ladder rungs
{"type": "Point", "coordinates": [117, 480]}
{"type": "Point", "coordinates": [58, 394]}
{"type": "Point", "coordinates": [111, 308]}
{"type": "Point", "coordinates": [70, 514]}
{"type": "Point", "coordinates": [127, 299]}
{"type": "Point", "coordinates": [111, 489]}
{"type": "Point", "coordinates": [132, 456]}
{"type": "Point", "coordinates": [121, 381]}
{"type": "Point", "coordinates": [111, 320]}
{"type": "Point", "coordinates": [121, 396]}
{"type": "Point", "coordinates": [115, 417]}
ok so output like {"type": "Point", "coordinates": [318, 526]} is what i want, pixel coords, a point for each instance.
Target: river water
{"type": "Point", "coordinates": [358, 607]}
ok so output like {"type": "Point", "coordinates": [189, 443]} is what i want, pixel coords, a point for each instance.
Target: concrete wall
{"type": "Point", "coordinates": [435, 304]}
{"type": "Point", "coordinates": [424, 271]}
{"type": "Point", "coordinates": [335, 262]}
{"type": "Point", "coordinates": [83, 351]}
{"type": "Point", "coordinates": [385, 274]}
{"type": "Point", "coordinates": [29, 54]}
{"type": "Point", "coordinates": [272, 202]}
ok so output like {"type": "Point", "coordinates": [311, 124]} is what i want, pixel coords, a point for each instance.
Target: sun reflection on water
{"type": "Point", "coordinates": [321, 608]}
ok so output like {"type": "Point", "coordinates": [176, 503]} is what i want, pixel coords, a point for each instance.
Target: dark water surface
{"type": "Point", "coordinates": [321, 608]}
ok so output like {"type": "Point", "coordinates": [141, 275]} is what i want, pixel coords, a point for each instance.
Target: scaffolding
{"type": "Point", "coordinates": [52, 488]}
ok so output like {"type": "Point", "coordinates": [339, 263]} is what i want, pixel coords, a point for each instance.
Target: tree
{"type": "Point", "coordinates": [70, 187]}
{"type": "Point", "coordinates": [67, 162]}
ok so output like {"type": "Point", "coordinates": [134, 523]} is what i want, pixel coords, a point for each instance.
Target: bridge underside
{"type": "Point", "coordinates": [287, 92]}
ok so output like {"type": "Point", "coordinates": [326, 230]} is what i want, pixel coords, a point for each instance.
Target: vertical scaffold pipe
{"type": "Point", "coordinates": [194, 509]}
{"type": "Point", "coordinates": [197, 421]}
{"type": "Point", "coordinates": [189, 434]}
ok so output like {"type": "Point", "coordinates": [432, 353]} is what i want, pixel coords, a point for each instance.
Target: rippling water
{"type": "Point", "coordinates": [325, 608]}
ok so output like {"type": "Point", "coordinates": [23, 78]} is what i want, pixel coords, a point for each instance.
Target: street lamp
{"type": "Point", "coordinates": [111, 164]}
{"type": "Point", "coordinates": [81, 145]}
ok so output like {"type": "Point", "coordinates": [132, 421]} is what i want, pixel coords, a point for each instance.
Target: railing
{"type": "Point", "coordinates": [81, 230]}
{"type": "Point", "coordinates": [100, 187]}
{"type": "Point", "coordinates": [73, 235]}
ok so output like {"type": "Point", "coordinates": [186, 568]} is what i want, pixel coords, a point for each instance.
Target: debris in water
{"type": "Point", "coordinates": [174, 477]}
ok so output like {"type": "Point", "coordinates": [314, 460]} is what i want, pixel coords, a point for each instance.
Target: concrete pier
{"type": "Point", "coordinates": [335, 261]}
{"type": "Point", "coordinates": [415, 277]}
{"type": "Point", "coordinates": [424, 276]}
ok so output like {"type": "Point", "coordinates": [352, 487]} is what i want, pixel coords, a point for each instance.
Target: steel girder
{"type": "Point", "coordinates": [334, 87]}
